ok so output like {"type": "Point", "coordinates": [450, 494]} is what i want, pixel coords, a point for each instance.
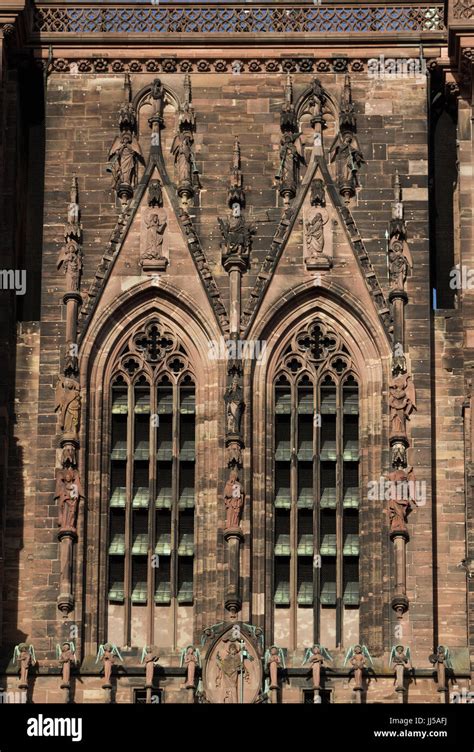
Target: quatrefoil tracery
{"type": "Point", "coordinates": [151, 349]}
{"type": "Point", "coordinates": [316, 348]}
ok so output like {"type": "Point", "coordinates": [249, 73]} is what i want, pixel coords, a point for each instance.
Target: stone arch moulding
{"type": "Point", "coordinates": [368, 344]}
{"type": "Point", "coordinates": [142, 96]}
{"type": "Point", "coordinates": [99, 348]}
{"type": "Point", "coordinates": [331, 107]}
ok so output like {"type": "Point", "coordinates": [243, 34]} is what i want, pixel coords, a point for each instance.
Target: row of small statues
{"type": "Point", "coordinates": [360, 663]}
{"type": "Point", "coordinates": [357, 656]}
{"type": "Point", "coordinates": [24, 657]}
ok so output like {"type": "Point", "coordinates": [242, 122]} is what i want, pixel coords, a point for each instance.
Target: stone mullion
{"type": "Point", "coordinates": [466, 261]}
{"type": "Point", "coordinates": [97, 570]}
{"type": "Point", "coordinates": [268, 492]}
{"type": "Point", "coordinates": [127, 578]}
{"type": "Point", "coordinates": [316, 511]}
{"type": "Point", "coordinates": [174, 515]}
{"type": "Point", "coordinates": [294, 519]}
{"type": "Point", "coordinates": [339, 513]}
{"type": "Point", "coordinates": [151, 516]}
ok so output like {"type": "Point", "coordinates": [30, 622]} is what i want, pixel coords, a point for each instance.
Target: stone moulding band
{"type": "Point", "coordinates": [103, 65]}
{"type": "Point", "coordinates": [178, 18]}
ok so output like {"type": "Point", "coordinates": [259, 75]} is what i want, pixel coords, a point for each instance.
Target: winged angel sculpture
{"type": "Point", "coordinates": [316, 656]}
{"type": "Point", "coordinates": [359, 658]}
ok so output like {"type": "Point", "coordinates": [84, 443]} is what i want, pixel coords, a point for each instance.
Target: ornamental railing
{"type": "Point", "coordinates": [462, 9]}
{"type": "Point", "coordinates": [236, 18]}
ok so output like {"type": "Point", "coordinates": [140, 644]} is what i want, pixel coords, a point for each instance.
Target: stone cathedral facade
{"type": "Point", "coordinates": [237, 351]}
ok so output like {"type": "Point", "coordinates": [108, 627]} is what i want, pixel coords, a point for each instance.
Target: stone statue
{"type": "Point", "coordinates": [233, 398]}
{"type": "Point", "coordinates": [348, 159]}
{"type": "Point", "coordinates": [158, 94]}
{"type": "Point", "coordinates": [191, 659]}
{"type": "Point", "coordinates": [183, 157]}
{"type": "Point", "coordinates": [234, 454]}
{"type": "Point", "coordinates": [73, 213]}
{"type": "Point", "coordinates": [68, 494]}
{"type": "Point", "coordinates": [70, 259]}
{"type": "Point", "coordinates": [72, 229]}
{"type": "Point", "coordinates": [66, 655]}
{"type": "Point", "coordinates": [68, 406]}
{"type": "Point", "coordinates": [274, 660]}
{"type": "Point", "coordinates": [314, 229]}
{"type": "Point", "coordinates": [150, 658]}
{"type": "Point", "coordinates": [291, 156]}
{"type": "Point", "coordinates": [155, 223]}
{"type": "Point", "coordinates": [107, 654]}
{"type": "Point", "coordinates": [401, 660]}
{"type": "Point", "coordinates": [153, 237]}
{"type": "Point", "coordinates": [315, 656]}
{"type": "Point", "coordinates": [317, 99]}
{"type": "Point", "coordinates": [186, 117]}
{"type": "Point", "coordinates": [318, 194]}
{"type": "Point", "coordinates": [24, 657]}
{"type": "Point", "coordinates": [399, 454]}
{"type": "Point", "coordinates": [237, 237]}
{"type": "Point", "coordinates": [127, 117]}
{"type": "Point", "coordinates": [358, 656]}
{"type": "Point", "coordinates": [123, 158]}
{"type": "Point", "coordinates": [442, 660]}
{"type": "Point", "coordinates": [400, 261]}
{"type": "Point", "coordinates": [234, 498]}
{"type": "Point", "coordinates": [68, 456]}
{"type": "Point", "coordinates": [402, 404]}
{"type": "Point", "coordinates": [401, 500]}
{"type": "Point", "coordinates": [230, 668]}
{"type": "Point", "coordinates": [71, 361]}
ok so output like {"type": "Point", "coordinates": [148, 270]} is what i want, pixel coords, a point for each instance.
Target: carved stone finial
{"type": "Point", "coordinates": [236, 193]}
{"type": "Point", "coordinates": [397, 222]}
{"type": "Point", "coordinates": [72, 228]}
{"type": "Point", "coordinates": [187, 89]}
{"type": "Point", "coordinates": [397, 188]}
{"type": "Point", "coordinates": [74, 194]}
{"type": "Point", "coordinates": [288, 119]}
{"type": "Point", "coordinates": [347, 117]}
{"type": "Point", "coordinates": [236, 155]}
{"type": "Point", "coordinates": [70, 255]}
{"type": "Point", "coordinates": [186, 116]}
{"type": "Point", "coordinates": [127, 85]}
{"type": "Point", "coordinates": [289, 90]}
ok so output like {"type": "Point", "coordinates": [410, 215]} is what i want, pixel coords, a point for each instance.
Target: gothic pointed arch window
{"type": "Point", "coordinates": [151, 488]}
{"type": "Point", "coordinates": [316, 489]}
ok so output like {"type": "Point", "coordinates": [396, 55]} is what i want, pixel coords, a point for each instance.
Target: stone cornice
{"type": "Point", "coordinates": [146, 61]}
